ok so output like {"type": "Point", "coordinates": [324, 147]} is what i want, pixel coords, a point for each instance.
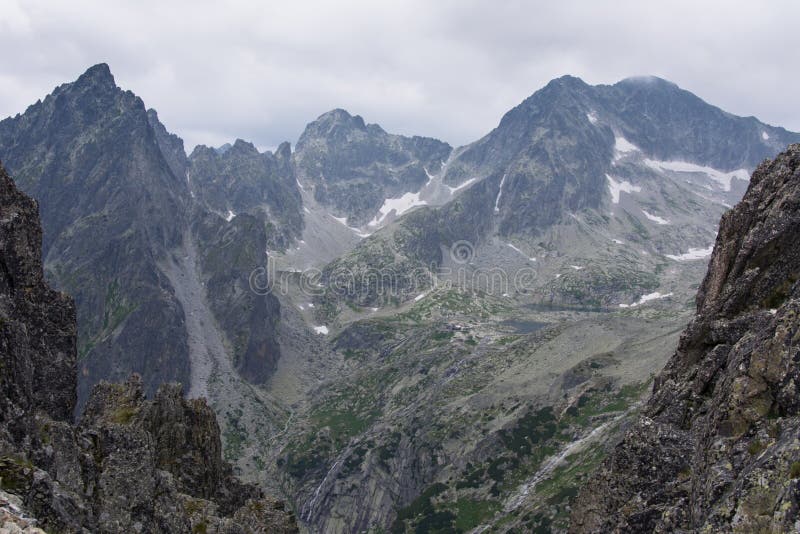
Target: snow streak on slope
{"type": "Point", "coordinates": [499, 194]}
{"type": "Point", "coordinates": [460, 187]}
{"type": "Point", "coordinates": [646, 298]}
{"type": "Point", "coordinates": [693, 254]}
{"type": "Point", "coordinates": [655, 218]}
{"type": "Point", "coordinates": [724, 179]}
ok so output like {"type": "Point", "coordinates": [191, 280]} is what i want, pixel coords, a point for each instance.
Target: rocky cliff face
{"type": "Point", "coordinates": [131, 464]}
{"type": "Point", "coordinates": [716, 449]}
{"type": "Point", "coordinates": [111, 206]}
{"type": "Point", "coordinates": [38, 324]}
{"type": "Point", "coordinates": [241, 179]}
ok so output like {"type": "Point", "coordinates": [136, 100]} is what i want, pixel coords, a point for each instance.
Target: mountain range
{"type": "Point", "coordinates": [444, 400]}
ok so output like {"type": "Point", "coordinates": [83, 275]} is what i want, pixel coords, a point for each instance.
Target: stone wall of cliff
{"type": "Point", "coordinates": [716, 448]}
{"type": "Point", "coordinates": [130, 464]}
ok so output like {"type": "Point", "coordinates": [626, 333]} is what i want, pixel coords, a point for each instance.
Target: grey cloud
{"type": "Point", "coordinates": [262, 70]}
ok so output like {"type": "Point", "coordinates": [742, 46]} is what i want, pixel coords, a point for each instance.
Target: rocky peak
{"type": "Point", "coordinates": [354, 167]}
{"type": "Point", "coordinates": [242, 147]}
{"type": "Point", "coordinates": [336, 121]}
{"type": "Point", "coordinates": [97, 75]}
{"type": "Point", "coordinates": [716, 449]}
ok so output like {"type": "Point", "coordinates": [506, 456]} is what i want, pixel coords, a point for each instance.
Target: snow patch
{"type": "Point", "coordinates": [620, 187]}
{"type": "Point", "coordinates": [592, 117]}
{"type": "Point", "coordinates": [229, 217]}
{"type": "Point", "coordinates": [693, 254]}
{"type": "Point", "coordinates": [577, 267]}
{"type": "Point", "coordinates": [618, 242]}
{"type": "Point", "coordinates": [499, 194]}
{"type": "Point", "coordinates": [646, 298]}
{"type": "Point", "coordinates": [305, 209]}
{"type": "Point", "coordinates": [397, 205]}
{"type": "Point", "coordinates": [655, 218]}
{"type": "Point", "coordinates": [765, 136]}
{"type": "Point", "coordinates": [321, 330]}
{"type": "Point", "coordinates": [623, 147]}
{"type": "Point", "coordinates": [420, 297]}
{"type": "Point", "coordinates": [724, 179]}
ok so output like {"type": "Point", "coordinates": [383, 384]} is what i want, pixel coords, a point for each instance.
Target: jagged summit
{"type": "Point", "coordinates": [97, 74]}
{"type": "Point", "coordinates": [240, 145]}
{"type": "Point", "coordinates": [97, 81]}
{"type": "Point", "coordinates": [332, 122]}
{"type": "Point", "coordinates": [354, 167]}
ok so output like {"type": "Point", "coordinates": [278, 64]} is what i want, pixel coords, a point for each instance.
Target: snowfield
{"type": "Point", "coordinates": [724, 179]}
{"type": "Point", "coordinates": [620, 187]}
{"type": "Point", "coordinates": [646, 298]}
{"type": "Point", "coordinates": [623, 147]}
{"type": "Point", "coordinates": [693, 254]}
{"type": "Point", "coordinates": [397, 205]}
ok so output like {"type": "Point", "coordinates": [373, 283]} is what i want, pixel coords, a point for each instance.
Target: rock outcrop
{"type": "Point", "coordinates": [716, 449]}
{"type": "Point", "coordinates": [130, 464]}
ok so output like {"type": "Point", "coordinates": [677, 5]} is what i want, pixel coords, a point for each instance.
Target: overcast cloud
{"type": "Point", "coordinates": [448, 69]}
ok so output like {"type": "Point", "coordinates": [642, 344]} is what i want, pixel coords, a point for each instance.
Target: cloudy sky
{"type": "Point", "coordinates": [261, 70]}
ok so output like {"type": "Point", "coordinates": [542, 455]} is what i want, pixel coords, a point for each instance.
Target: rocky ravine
{"type": "Point", "coordinates": [130, 464]}
{"type": "Point", "coordinates": [716, 448]}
